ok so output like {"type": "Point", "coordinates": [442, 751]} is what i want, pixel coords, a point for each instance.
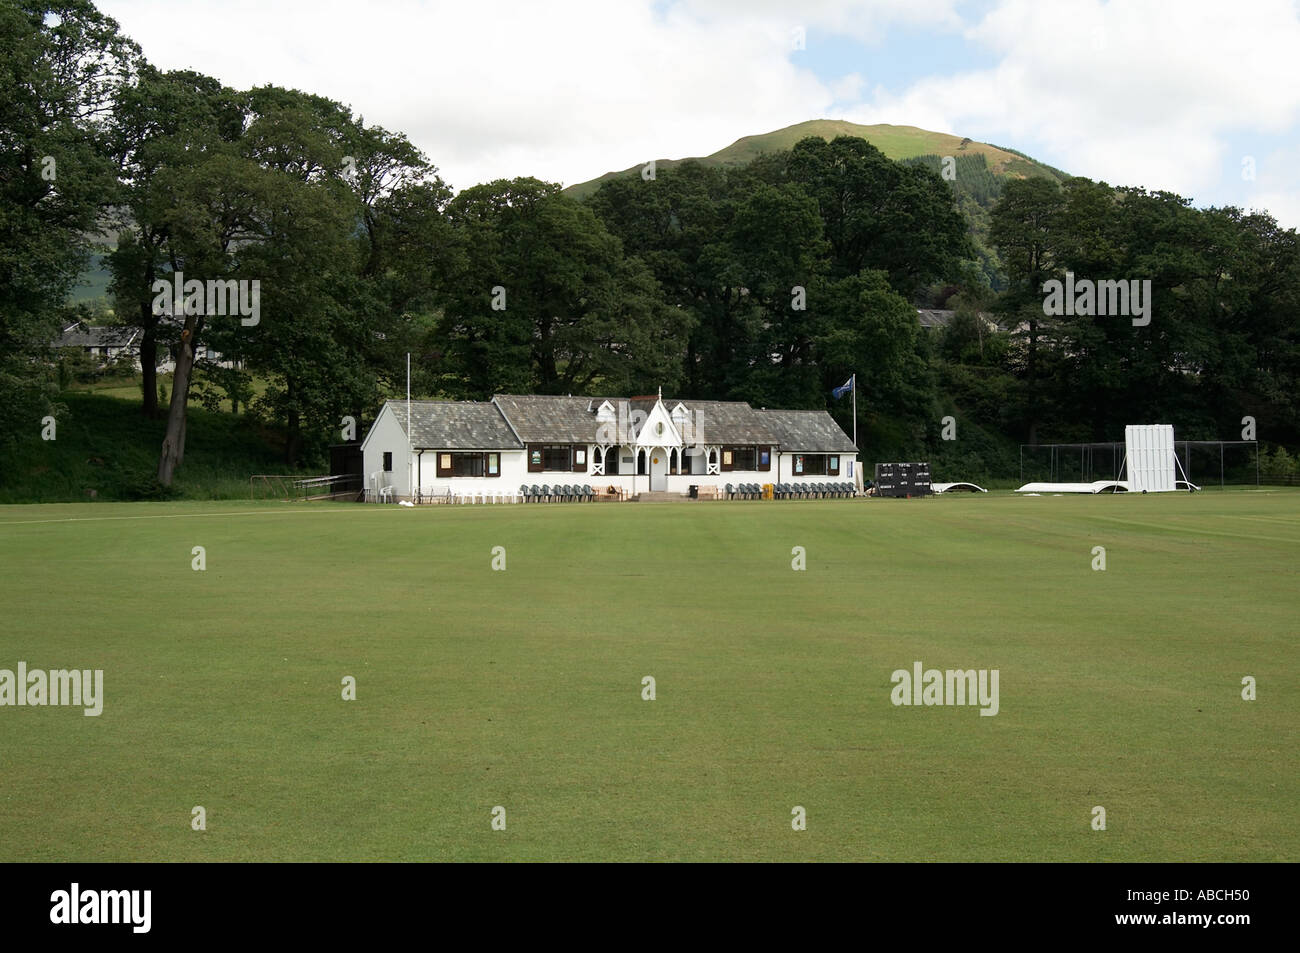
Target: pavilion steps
{"type": "Point", "coordinates": [661, 496]}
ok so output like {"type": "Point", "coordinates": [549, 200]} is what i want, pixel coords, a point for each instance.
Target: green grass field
{"type": "Point", "coordinates": [478, 688]}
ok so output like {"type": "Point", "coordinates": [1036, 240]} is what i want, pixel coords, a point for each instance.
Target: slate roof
{"type": "Point", "coordinates": [509, 421]}
{"type": "Point", "coordinates": [808, 431]}
{"type": "Point", "coordinates": [941, 318]}
{"type": "Point", "coordinates": [569, 419]}
{"type": "Point", "coordinates": [933, 318]}
{"type": "Point", "coordinates": [455, 425]}
{"type": "Point", "coordinates": [540, 418]}
{"type": "Point", "coordinates": [727, 422]}
{"type": "Point", "coordinates": [84, 335]}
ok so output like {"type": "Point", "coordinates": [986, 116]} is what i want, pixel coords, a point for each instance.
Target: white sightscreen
{"type": "Point", "coordinates": [1150, 450]}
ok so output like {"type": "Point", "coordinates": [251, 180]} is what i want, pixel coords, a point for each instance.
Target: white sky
{"type": "Point", "coordinates": [1168, 94]}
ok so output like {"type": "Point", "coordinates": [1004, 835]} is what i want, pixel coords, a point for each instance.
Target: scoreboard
{"type": "Point", "coordinates": [903, 479]}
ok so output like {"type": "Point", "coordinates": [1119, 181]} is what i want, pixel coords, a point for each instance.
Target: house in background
{"type": "Point", "coordinates": [104, 345]}
{"type": "Point", "coordinates": [635, 445]}
{"type": "Point", "coordinates": [941, 318]}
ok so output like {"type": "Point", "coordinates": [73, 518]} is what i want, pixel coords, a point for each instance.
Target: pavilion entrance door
{"type": "Point", "coordinates": [658, 469]}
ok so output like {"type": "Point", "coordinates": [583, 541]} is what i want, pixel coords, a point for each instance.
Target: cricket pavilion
{"type": "Point", "coordinates": [429, 450]}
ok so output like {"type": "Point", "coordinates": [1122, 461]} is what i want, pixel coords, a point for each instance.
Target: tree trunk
{"type": "Point", "coordinates": [149, 351]}
{"type": "Point", "coordinates": [1031, 380]}
{"type": "Point", "coordinates": [293, 439]}
{"type": "Point", "coordinates": [173, 447]}
{"type": "Point", "coordinates": [149, 371]}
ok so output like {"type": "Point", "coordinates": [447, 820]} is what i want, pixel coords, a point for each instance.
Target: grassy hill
{"type": "Point", "coordinates": [897, 142]}
{"type": "Point", "coordinates": [103, 445]}
{"type": "Point", "coordinates": [980, 168]}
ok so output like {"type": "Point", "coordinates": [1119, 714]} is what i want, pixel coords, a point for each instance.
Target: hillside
{"type": "Point", "coordinates": [978, 180]}
{"type": "Point", "coordinates": [897, 142]}
{"type": "Point", "coordinates": [105, 450]}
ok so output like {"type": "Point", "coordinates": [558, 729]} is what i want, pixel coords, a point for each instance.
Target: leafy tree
{"type": "Point", "coordinates": [1023, 230]}
{"type": "Point", "coordinates": [546, 302]}
{"type": "Point", "coordinates": [880, 214]}
{"type": "Point", "coordinates": [61, 62]}
{"type": "Point", "coordinates": [871, 330]}
{"type": "Point", "coordinates": [163, 123]}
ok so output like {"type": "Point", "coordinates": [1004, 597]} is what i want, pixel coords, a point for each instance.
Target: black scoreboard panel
{"type": "Point", "coordinates": [903, 479]}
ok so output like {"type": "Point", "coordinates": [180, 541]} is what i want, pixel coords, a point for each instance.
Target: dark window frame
{"type": "Point", "coordinates": [453, 464]}
{"type": "Point", "coordinates": [816, 464]}
{"type": "Point", "coordinates": [551, 454]}
{"type": "Point", "coordinates": [743, 458]}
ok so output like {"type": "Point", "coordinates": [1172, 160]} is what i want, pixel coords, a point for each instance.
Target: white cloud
{"type": "Point", "coordinates": [1277, 186]}
{"type": "Point", "coordinates": [848, 88]}
{"type": "Point", "coordinates": [561, 90]}
{"type": "Point", "coordinates": [864, 20]}
{"type": "Point", "coordinates": [1139, 93]}
{"type": "Point", "coordinates": [1143, 92]}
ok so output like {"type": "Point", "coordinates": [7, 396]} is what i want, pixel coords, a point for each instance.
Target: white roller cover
{"type": "Point", "coordinates": [1150, 450]}
{"type": "Point", "coordinates": [1100, 486]}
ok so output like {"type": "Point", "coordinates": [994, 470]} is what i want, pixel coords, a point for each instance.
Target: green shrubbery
{"type": "Point", "coordinates": [105, 449]}
{"type": "Point", "coordinates": [1278, 464]}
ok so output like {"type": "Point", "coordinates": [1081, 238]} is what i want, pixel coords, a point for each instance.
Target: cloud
{"type": "Point", "coordinates": [1139, 93]}
{"type": "Point", "coordinates": [560, 90]}
{"type": "Point", "coordinates": [847, 88]}
{"type": "Point", "coordinates": [1276, 187]}
{"type": "Point", "coordinates": [867, 21]}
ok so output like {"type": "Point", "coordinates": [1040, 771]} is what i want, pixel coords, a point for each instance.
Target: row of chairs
{"type": "Point", "coordinates": [557, 494]}
{"type": "Point", "coordinates": [791, 491]}
{"type": "Point", "coordinates": [798, 491]}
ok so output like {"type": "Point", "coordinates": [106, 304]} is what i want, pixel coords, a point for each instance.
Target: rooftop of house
{"type": "Point", "coordinates": [80, 334]}
{"type": "Point", "coordinates": [510, 421]}
{"type": "Point", "coordinates": [942, 317]}
{"type": "Point", "coordinates": [810, 430]}
{"type": "Point", "coordinates": [456, 425]}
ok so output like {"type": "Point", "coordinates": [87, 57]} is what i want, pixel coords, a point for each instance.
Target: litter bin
{"type": "Point", "coordinates": [695, 491]}
{"type": "Point", "coordinates": [767, 490]}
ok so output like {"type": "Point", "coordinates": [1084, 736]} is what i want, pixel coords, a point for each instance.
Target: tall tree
{"type": "Point", "coordinates": [881, 214]}
{"type": "Point", "coordinates": [679, 224]}
{"type": "Point", "coordinates": [163, 123]}
{"type": "Point", "coordinates": [60, 63]}
{"type": "Point", "coordinates": [1024, 225]}
{"type": "Point", "coordinates": [546, 302]}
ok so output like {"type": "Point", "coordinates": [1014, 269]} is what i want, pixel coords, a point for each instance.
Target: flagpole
{"type": "Point", "coordinates": [855, 410]}
{"type": "Point", "coordinates": [410, 427]}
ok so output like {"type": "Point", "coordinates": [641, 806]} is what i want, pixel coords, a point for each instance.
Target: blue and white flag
{"type": "Point", "coordinates": [843, 389]}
